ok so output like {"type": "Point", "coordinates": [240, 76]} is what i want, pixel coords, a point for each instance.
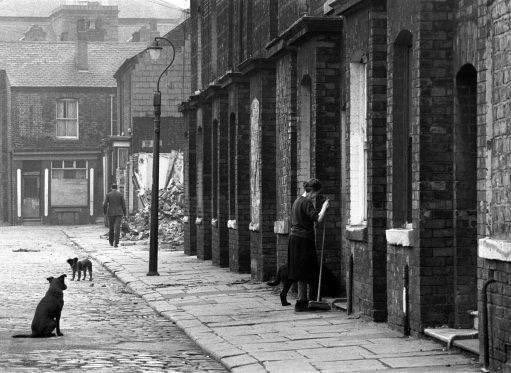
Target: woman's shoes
{"type": "Point", "coordinates": [283, 299]}
{"type": "Point", "coordinates": [301, 306]}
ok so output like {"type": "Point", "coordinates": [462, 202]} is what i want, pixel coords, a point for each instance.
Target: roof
{"type": "Point", "coordinates": [127, 8]}
{"type": "Point", "coordinates": [44, 64]}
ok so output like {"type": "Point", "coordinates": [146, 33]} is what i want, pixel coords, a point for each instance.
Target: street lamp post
{"type": "Point", "coordinates": [154, 52]}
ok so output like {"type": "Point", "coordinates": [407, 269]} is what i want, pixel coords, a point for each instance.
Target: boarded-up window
{"type": "Point", "coordinates": [304, 133]}
{"type": "Point", "coordinates": [67, 118]}
{"type": "Point", "coordinates": [255, 163]}
{"type": "Point", "coordinates": [69, 183]}
{"type": "Point", "coordinates": [358, 143]}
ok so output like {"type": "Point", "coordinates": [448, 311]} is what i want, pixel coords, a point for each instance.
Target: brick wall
{"type": "Point", "coordinates": [402, 15]}
{"type": "Point", "coordinates": [367, 41]}
{"type": "Point", "coordinates": [190, 184]}
{"type": "Point", "coordinates": [172, 134]}
{"type": "Point", "coordinates": [286, 118]}
{"type": "Point", "coordinates": [239, 238]}
{"type": "Point", "coordinates": [204, 182]}
{"type": "Point", "coordinates": [34, 117]}
{"type": "Point", "coordinates": [220, 245]}
{"type": "Point", "coordinates": [325, 137]}
{"type": "Point", "coordinates": [262, 239]}
{"type": "Point", "coordinates": [493, 171]}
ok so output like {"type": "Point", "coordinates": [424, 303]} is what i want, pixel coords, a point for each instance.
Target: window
{"type": "Point", "coordinates": [401, 131]}
{"type": "Point", "coordinates": [358, 143]}
{"type": "Point", "coordinates": [69, 169]}
{"type": "Point", "coordinates": [67, 118]}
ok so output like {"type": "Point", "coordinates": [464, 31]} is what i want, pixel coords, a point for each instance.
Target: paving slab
{"type": "Point", "coordinates": [241, 323]}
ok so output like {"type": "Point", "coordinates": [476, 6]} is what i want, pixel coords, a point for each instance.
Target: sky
{"type": "Point", "coordinates": [180, 3]}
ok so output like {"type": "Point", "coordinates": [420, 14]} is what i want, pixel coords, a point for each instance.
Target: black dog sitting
{"type": "Point", "coordinates": [282, 276]}
{"type": "Point", "coordinates": [48, 311]}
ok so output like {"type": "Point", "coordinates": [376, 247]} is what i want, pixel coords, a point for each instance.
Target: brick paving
{"type": "Point", "coordinates": [105, 326]}
{"type": "Point", "coordinates": [241, 323]}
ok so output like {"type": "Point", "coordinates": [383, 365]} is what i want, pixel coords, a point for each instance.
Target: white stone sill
{"type": "Point", "coordinates": [488, 248]}
{"type": "Point", "coordinates": [400, 237]}
{"type": "Point", "coordinates": [232, 224]}
{"type": "Point", "coordinates": [356, 232]}
{"type": "Point", "coordinates": [281, 227]}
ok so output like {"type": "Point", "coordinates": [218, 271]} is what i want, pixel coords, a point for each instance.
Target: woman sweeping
{"type": "Point", "coordinates": [302, 261]}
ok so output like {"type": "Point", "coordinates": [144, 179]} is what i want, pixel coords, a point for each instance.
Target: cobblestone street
{"type": "Point", "coordinates": [105, 327]}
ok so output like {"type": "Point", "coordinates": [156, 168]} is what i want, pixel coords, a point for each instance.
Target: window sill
{"type": "Point", "coordinates": [214, 223]}
{"type": "Point", "coordinates": [67, 138]}
{"type": "Point", "coordinates": [254, 227]}
{"type": "Point", "coordinates": [185, 219]}
{"type": "Point", "coordinates": [488, 248]}
{"type": "Point", "coordinates": [281, 227]}
{"type": "Point", "coordinates": [198, 221]}
{"type": "Point", "coordinates": [232, 224]}
{"type": "Point", "coordinates": [356, 232]}
{"type": "Point", "coordinates": [400, 237]}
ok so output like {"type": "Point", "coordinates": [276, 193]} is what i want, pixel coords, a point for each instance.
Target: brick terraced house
{"type": "Point", "coordinates": [59, 105]}
{"type": "Point", "coordinates": [402, 108]}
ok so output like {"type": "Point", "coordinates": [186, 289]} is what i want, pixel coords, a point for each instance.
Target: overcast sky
{"type": "Point", "coordinates": [179, 3]}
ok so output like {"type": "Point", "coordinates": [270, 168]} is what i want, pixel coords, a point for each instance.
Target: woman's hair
{"type": "Point", "coordinates": [313, 185]}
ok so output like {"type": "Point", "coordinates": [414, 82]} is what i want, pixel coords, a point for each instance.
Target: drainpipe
{"type": "Point", "coordinates": [406, 313]}
{"type": "Point", "coordinates": [349, 305]}
{"type": "Point", "coordinates": [484, 316]}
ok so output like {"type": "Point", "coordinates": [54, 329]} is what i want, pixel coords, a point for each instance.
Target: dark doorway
{"type": "Point", "coordinates": [465, 196]}
{"type": "Point", "coordinates": [31, 195]}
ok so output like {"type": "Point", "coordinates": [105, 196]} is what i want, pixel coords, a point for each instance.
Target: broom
{"type": "Point", "coordinates": [317, 304]}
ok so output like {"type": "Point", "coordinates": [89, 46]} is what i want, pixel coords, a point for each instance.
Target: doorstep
{"type": "Point", "coordinates": [470, 345]}
{"type": "Point", "coordinates": [449, 335]}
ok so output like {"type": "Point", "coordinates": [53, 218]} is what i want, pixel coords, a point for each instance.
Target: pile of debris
{"type": "Point", "coordinates": [170, 216]}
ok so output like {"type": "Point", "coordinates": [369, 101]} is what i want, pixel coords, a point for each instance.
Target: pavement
{"type": "Point", "coordinates": [106, 328]}
{"type": "Point", "coordinates": [241, 323]}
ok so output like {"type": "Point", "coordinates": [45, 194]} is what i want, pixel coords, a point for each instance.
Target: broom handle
{"type": "Point", "coordinates": [321, 263]}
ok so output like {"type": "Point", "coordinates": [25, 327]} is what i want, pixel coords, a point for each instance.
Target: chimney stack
{"type": "Point", "coordinates": [81, 58]}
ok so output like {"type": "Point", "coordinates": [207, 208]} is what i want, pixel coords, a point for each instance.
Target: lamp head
{"type": "Point", "coordinates": [154, 50]}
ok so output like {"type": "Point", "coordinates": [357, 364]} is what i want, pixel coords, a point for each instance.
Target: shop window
{"type": "Point", "coordinates": [358, 142]}
{"type": "Point", "coordinates": [67, 118]}
{"type": "Point", "coordinates": [401, 131]}
{"type": "Point", "coordinates": [69, 186]}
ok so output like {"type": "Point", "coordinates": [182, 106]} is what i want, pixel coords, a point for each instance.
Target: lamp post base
{"type": "Point", "coordinates": [152, 273]}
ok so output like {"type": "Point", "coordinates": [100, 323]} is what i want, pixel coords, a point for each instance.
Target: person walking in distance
{"type": "Point", "coordinates": [302, 261]}
{"type": "Point", "coordinates": [114, 208]}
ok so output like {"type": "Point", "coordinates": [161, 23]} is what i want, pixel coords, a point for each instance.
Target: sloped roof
{"type": "Point", "coordinates": [43, 64]}
{"type": "Point", "coordinates": [127, 8]}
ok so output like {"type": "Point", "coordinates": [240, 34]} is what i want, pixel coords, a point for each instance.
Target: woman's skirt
{"type": "Point", "coordinates": [302, 259]}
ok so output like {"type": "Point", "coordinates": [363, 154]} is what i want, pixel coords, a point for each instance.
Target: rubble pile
{"type": "Point", "coordinates": [170, 215]}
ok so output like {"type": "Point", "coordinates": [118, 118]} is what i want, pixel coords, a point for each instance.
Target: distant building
{"type": "Point", "coordinates": [59, 20]}
{"type": "Point", "coordinates": [136, 82]}
{"type": "Point", "coordinates": [58, 103]}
